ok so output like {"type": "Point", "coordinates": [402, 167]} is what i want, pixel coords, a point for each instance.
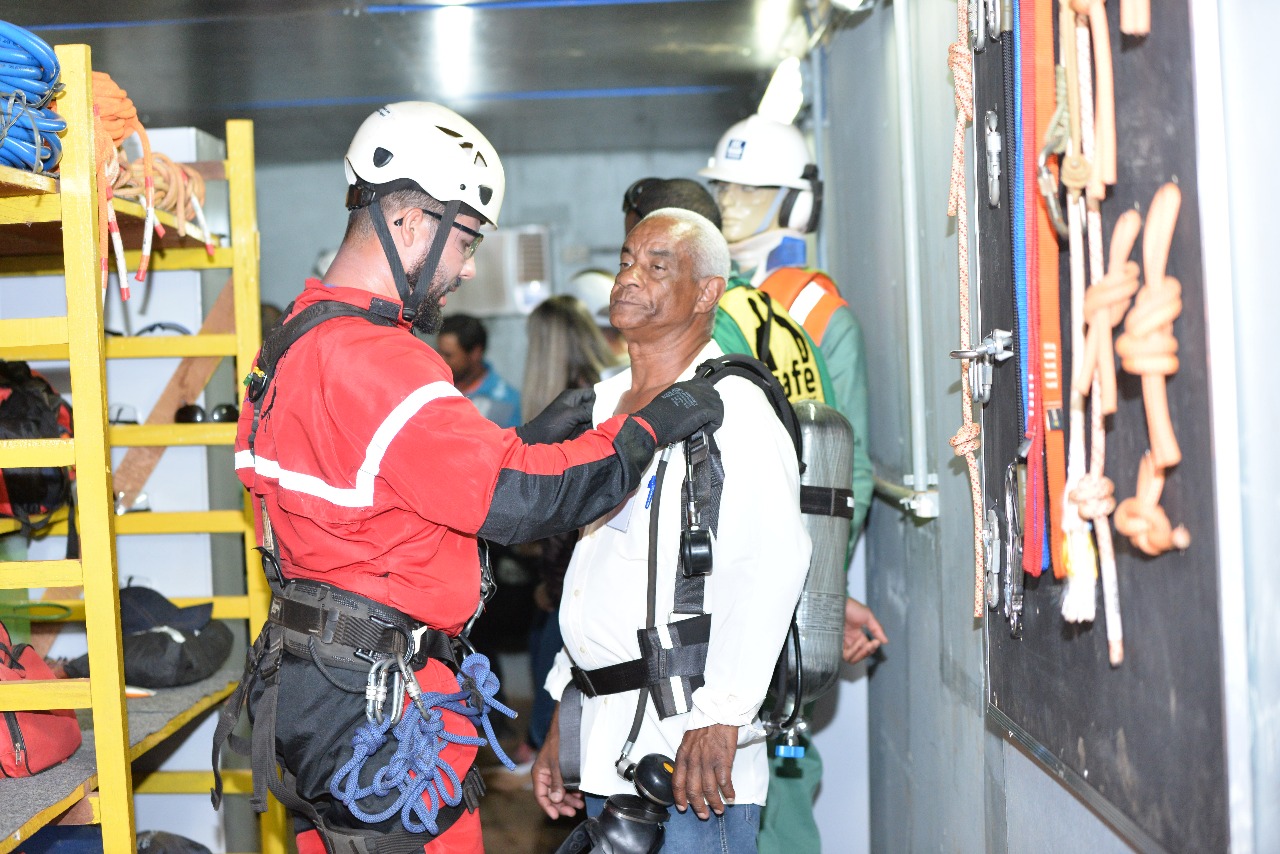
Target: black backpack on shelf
{"type": "Point", "coordinates": [31, 409]}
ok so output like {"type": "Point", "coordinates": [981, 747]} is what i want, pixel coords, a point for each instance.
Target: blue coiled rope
{"type": "Point", "coordinates": [29, 73]}
{"type": "Point", "coordinates": [415, 769]}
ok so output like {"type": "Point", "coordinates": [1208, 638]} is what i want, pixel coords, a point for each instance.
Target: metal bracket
{"type": "Point", "coordinates": [995, 146]}
{"type": "Point", "coordinates": [1013, 579]}
{"type": "Point", "coordinates": [994, 348]}
{"type": "Point", "coordinates": [978, 26]}
{"type": "Point", "coordinates": [991, 543]}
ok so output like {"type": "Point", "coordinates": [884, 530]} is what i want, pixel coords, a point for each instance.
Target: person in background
{"type": "Point", "coordinates": [462, 343]}
{"type": "Point", "coordinates": [650, 194]}
{"type": "Point", "coordinates": [592, 288]}
{"type": "Point", "coordinates": [566, 351]}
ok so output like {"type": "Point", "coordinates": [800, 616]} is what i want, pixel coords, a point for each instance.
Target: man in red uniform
{"type": "Point", "coordinates": [372, 478]}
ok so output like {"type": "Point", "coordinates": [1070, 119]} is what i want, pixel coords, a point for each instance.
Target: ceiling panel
{"type": "Point", "coordinates": [534, 75]}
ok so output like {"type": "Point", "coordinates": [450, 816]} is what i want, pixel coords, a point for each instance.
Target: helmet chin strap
{"type": "Point", "coordinates": [769, 220]}
{"type": "Point", "coordinates": [413, 303]}
{"type": "Point", "coordinates": [443, 230]}
{"type": "Point", "coordinates": [389, 249]}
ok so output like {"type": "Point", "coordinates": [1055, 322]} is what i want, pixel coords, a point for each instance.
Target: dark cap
{"type": "Point", "coordinates": [163, 842]}
{"type": "Point", "coordinates": [143, 609]}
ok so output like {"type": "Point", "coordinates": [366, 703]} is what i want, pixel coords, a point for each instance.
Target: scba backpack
{"type": "Point", "coordinates": [31, 409]}
{"type": "Point", "coordinates": [30, 742]}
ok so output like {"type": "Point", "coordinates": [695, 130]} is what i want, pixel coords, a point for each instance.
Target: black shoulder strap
{"type": "Point", "coordinates": [738, 365]}
{"type": "Point", "coordinates": [281, 337]}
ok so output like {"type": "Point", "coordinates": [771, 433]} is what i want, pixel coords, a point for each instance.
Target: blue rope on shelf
{"type": "Point", "coordinates": [29, 73]}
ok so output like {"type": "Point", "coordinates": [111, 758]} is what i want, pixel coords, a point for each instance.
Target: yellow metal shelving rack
{"type": "Point", "coordinates": [73, 202]}
{"type": "Point", "coordinates": [36, 200]}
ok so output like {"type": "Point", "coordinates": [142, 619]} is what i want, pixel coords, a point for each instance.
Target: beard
{"type": "Point", "coordinates": [429, 317]}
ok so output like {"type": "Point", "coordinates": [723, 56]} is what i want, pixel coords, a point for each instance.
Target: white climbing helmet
{"type": "Point", "coordinates": [424, 145]}
{"type": "Point", "coordinates": [761, 152]}
{"type": "Point", "coordinates": [592, 287]}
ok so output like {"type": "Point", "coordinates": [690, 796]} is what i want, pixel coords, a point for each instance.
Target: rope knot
{"type": "Point", "coordinates": [1094, 497]}
{"type": "Point", "coordinates": [967, 439]}
{"type": "Point", "coordinates": [1147, 346]}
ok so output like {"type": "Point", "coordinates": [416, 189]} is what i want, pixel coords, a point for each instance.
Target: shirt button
{"type": "Point", "coordinates": [582, 649]}
{"type": "Point", "coordinates": [577, 592]}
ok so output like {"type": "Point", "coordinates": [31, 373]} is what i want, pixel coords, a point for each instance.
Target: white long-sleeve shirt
{"type": "Point", "coordinates": [761, 555]}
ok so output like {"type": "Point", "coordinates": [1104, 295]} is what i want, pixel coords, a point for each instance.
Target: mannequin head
{"type": "Point", "coordinates": [764, 179]}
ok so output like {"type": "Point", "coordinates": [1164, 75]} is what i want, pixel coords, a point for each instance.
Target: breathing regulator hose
{"type": "Point", "coordinates": [29, 127]}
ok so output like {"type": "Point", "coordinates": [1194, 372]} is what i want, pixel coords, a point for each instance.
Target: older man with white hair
{"type": "Point", "coordinates": [627, 600]}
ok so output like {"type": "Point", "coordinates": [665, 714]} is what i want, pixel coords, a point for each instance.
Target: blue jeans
{"type": "Point", "coordinates": [731, 833]}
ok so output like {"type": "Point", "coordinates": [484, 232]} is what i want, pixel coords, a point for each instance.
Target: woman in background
{"type": "Point", "coordinates": [566, 350]}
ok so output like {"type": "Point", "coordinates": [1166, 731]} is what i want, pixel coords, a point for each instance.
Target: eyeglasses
{"type": "Point", "coordinates": [631, 198]}
{"type": "Point", "coordinates": [469, 250]}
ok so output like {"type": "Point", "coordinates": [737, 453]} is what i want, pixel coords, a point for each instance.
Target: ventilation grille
{"type": "Point", "coordinates": [531, 257]}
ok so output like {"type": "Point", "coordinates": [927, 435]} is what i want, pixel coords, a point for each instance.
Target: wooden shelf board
{"type": "Point", "coordinates": [224, 607]}
{"type": "Point", "coordinates": [32, 802]}
{"type": "Point", "coordinates": [25, 574]}
{"type": "Point", "coordinates": [44, 236]}
{"type": "Point", "coordinates": [38, 453]}
{"type": "Point", "coordinates": [19, 182]}
{"type": "Point", "coordinates": [169, 435]}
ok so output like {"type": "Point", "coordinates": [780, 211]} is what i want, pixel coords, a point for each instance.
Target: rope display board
{"type": "Point", "coordinates": [1131, 721]}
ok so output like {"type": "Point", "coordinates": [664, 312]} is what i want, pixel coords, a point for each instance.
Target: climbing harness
{"type": "Point", "coordinates": [673, 656]}
{"type": "Point", "coordinates": [337, 631]}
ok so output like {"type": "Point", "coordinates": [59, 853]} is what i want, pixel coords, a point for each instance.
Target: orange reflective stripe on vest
{"type": "Point", "coordinates": [811, 297]}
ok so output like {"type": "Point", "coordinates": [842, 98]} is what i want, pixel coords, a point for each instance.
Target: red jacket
{"type": "Point", "coordinates": [378, 474]}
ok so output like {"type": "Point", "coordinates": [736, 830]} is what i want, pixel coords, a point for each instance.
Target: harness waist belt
{"type": "Point", "coordinates": [350, 630]}
{"type": "Point", "coordinates": [826, 501]}
{"type": "Point", "coordinates": [685, 658]}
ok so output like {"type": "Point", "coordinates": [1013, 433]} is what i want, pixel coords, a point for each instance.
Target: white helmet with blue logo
{"type": "Point", "coordinates": [761, 152]}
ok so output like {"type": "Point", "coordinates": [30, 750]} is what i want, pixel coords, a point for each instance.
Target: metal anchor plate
{"type": "Point", "coordinates": [994, 348]}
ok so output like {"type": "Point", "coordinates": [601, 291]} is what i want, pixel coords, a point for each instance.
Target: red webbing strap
{"type": "Point", "coordinates": [1055, 466]}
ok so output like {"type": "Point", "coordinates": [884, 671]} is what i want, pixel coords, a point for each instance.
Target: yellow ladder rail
{"type": "Point", "coordinates": [96, 504]}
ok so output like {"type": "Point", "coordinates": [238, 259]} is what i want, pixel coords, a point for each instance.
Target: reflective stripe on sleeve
{"type": "Point", "coordinates": [360, 495]}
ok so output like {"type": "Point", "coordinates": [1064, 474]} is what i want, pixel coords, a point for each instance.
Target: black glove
{"type": "Point", "coordinates": [566, 417]}
{"type": "Point", "coordinates": [682, 410]}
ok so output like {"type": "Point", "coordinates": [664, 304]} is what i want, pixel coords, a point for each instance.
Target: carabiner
{"type": "Point", "coordinates": [375, 690]}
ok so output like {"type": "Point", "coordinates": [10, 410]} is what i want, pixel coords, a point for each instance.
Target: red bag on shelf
{"type": "Point", "coordinates": [30, 742]}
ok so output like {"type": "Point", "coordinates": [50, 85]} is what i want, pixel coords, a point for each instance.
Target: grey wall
{"type": "Point", "coordinates": [940, 781]}
{"type": "Point", "coordinates": [1247, 52]}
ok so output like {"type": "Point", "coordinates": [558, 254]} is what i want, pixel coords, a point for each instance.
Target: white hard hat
{"type": "Point", "coordinates": [424, 145]}
{"type": "Point", "coordinates": [761, 152]}
{"type": "Point", "coordinates": [593, 287]}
